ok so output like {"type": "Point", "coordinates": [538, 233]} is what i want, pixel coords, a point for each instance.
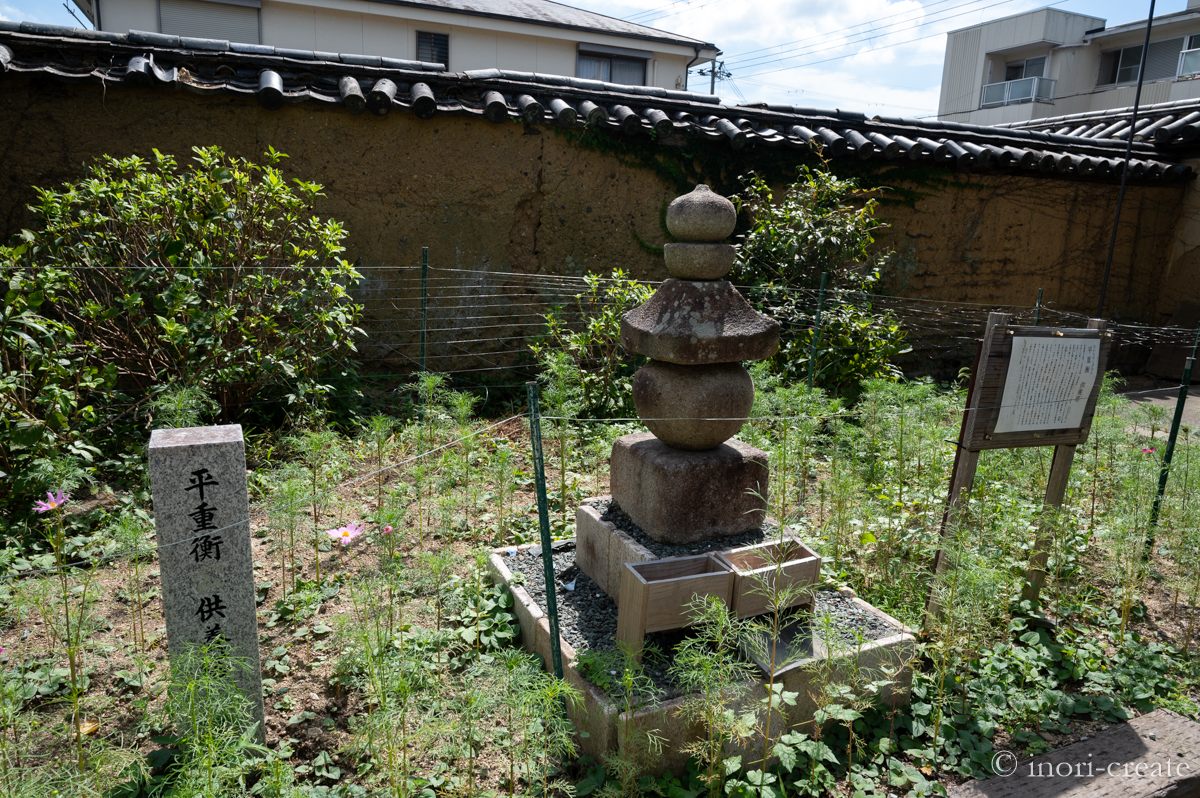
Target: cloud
{"type": "Point", "coordinates": [876, 56]}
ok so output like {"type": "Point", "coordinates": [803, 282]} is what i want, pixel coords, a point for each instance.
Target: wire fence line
{"type": "Point", "coordinates": [256, 516]}
{"type": "Point", "coordinates": [820, 417]}
{"type": "Point", "coordinates": [466, 310]}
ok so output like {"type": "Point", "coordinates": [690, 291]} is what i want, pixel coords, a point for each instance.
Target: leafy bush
{"type": "Point", "coordinates": [587, 361]}
{"type": "Point", "coordinates": [144, 277]}
{"type": "Point", "coordinates": [823, 224]}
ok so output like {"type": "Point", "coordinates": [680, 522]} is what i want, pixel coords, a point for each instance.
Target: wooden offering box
{"type": "Point", "coordinates": [754, 571]}
{"type": "Point", "coordinates": [655, 595]}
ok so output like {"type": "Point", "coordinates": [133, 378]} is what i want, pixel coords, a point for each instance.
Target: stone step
{"type": "Point", "coordinates": [1154, 756]}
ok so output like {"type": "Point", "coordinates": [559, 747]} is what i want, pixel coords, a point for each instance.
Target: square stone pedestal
{"type": "Point", "coordinates": [677, 496]}
{"type": "Point", "coordinates": [601, 550]}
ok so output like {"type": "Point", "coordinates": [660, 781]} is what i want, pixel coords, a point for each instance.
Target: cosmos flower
{"type": "Point", "coordinates": [387, 530]}
{"type": "Point", "coordinates": [52, 502]}
{"type": "Point", "coordinates": [1148, 450]}
{"type": "Point", "coordinates": [345, 534]}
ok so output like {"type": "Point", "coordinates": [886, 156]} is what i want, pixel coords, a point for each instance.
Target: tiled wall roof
{"type": "Point", "coordinates": [1169, 126]}
{"type": "Point", "coordinates": [359, 83]}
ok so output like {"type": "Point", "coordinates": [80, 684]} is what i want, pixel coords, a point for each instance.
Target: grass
{"type": "Point", "coordinates": [390, 667]}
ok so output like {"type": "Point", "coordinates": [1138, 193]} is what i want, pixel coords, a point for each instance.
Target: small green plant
{"type": "Point", "coordinates": [212, 746]}
{"type": "Point", "coordinates": [315, 448]}
{"type": "Point", "coordinates": [130, 534]}
{"type": "Point", "coordinates": [379, 430]}
{"type": "Point", "coordinates": [714, 679]}
{"type": "Point", "coordinates": [181, 406]}
{"type": "Point", "coordinates": [72, 630]}
{"type": "Point", "coordinates": [641, 746]}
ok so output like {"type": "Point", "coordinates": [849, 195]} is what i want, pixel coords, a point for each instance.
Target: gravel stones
{"type": "Point", "coordinates": [681, 497]}
{"type": "Point", "coordinates": [588, 618]}
{"type": "Point", "coordinates": [675, 400]}
{"type": "Point", "coordinates": [698, 323]}
{"type": "Point", "coordinates": [691, 261]}
{"type": "Point", "coordinates": [611, 512]}
{"type": "Point", "coordinates": [848, 621]}
{"type": "Point", "coordinates": [702, 215]}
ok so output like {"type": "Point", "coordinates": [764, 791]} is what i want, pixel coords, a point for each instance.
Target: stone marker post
{"type": "Point", "coordinates": [201, 516]}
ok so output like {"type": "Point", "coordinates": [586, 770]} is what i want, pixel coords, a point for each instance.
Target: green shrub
{"type": "Point", "coordinates": [823, 224]}
{"type": "Point", "coordinates": [585, 361]}
{"type": "Point", "coordinates": [145, 277]}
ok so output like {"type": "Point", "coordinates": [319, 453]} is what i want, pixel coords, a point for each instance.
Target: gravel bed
{"type": "Point", "coordinates": [588, 618]}
{"type": "Point", "coordinates": [848, 620]}
{"type": "Point", "coordinates": [611, 511]}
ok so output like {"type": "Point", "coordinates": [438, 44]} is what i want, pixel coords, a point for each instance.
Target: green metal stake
{"type": "Point", "coordinates": [1037, 310]}
{"type": "Point", "coordinates": [539, 472]}
{"type": "Point", "coordinates": [424, 300]}
{"type": "Point", "coordinates": [1165, 471]}
{"type": "Point", "coordinates": [812, 356]}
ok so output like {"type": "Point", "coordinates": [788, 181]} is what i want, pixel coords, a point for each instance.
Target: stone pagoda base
{"type": "Point", "coordinates": [678, 496]}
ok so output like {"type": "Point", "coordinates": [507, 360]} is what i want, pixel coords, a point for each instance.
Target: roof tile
{"type": "Point", "coordinates": [274, 77]}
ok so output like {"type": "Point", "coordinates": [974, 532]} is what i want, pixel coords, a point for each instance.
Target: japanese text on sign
{"type": "Point", "coordinates": [1048, 383]}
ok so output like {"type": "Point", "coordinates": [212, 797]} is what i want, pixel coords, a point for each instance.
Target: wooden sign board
{"type": "Point", "coordinates": [1030, 386]}
{"type": "Point", "coordinates": [1035, 386]}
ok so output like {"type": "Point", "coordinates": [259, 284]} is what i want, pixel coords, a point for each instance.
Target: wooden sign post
{"type": "Point", "coordinates": [1030, 386]}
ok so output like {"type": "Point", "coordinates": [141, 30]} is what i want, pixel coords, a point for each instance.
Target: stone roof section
{"type": "Point", "coordinates": [1168, 126]}
{"type": "Point", "coordinates": [274, 76]}
{"type": "Point", "coordinates": [557, 15]}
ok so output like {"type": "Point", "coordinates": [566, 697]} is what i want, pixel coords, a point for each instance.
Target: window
{"type": "Point", "coordinates": [1029, 68]}
{"type": "Point", "coordinates": [433, 48]}
{"type": "Point", "coordinates": [1024, 82]}
{"type": "Point", "coordinates": [612, 68]}
{"type": "Point", "coordinates": [201, 19]}
{"type": "Point", "coordinates": [1122, 66]}
{"type": "Point", "coordinates": [1189, 59]}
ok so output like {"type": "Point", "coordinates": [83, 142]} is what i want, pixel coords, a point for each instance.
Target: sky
{"type": "Point", "coordinates": [876, 56]}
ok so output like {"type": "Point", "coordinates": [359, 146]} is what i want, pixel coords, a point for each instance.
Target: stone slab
{"type": "Point", "coordinates": [1157, 754]}
{"type": "Point", "coordinates": [201, 519]}
{"type": "Point", "coordinates": [601, 550]}
{"type": "Point", "coordinates": [607, 728]}
{"type": "Point", "coordinates": [682, 497]}
{"type": "Point", "coordinates": [697, 323]}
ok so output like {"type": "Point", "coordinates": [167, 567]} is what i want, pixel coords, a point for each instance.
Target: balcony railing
{"type": "Point", "coordinates": [1189, 63]}
{"type": "Point", "coordinates": [1011, 92]}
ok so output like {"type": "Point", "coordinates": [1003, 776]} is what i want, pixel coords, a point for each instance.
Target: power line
{"type": "Point", "coordinates": [810, 52]}
{"type": "Point", "coordinates": [746, 54]}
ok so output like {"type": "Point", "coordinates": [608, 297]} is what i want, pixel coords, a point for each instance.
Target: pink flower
{"type": "Point", "coordinates": [346, 534]}
{"type": "Point", "coordinates": [52, 502]}
{"type": "Point", "coordinates": [387, 530]}
{"type": "Point", "coordinates": [1148, 450]}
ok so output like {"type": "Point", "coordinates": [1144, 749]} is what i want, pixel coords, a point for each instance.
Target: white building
{"type": "Point", "coordinates": [520, 35]}
{"type": "Point", "coordinates": [1050, 63]}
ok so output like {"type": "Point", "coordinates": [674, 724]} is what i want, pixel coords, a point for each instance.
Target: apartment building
{"type": "Point", "coordinates": [1051, 63]}
{"type": "Point", "coordinates": [518, 35]}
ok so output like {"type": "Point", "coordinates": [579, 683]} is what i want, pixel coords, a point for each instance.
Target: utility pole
{"type": "Point", "coordinates": [1137, 100]}
{"type": "Point", "coordinates": [716, 70]}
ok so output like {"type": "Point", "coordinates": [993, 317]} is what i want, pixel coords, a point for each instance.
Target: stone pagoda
{"type": "Point", "coordinates": [687, 480]}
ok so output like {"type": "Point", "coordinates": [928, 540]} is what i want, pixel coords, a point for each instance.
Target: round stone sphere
{"type": "Point", "coordinates": [699, 261]}
{"type": "Point", "coordinates": [664, 390]}
{"type": "Point", "coordinates": [701, 216]}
